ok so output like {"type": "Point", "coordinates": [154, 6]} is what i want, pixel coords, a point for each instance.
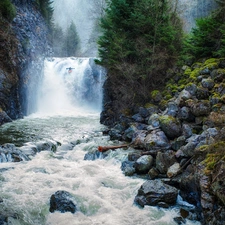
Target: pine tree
{"type": "Point", "coordinates": [46, 9]}
{"type": "Point", "coordinates": [58, 41]}
{"type": "Point", "coordinates": [140, 41]}
{"type": "Point", "coordinates": [208, 38]}
{"type": "Point", "coordinates": [7, 10]}
{"type": "Point", "coordinates": [71, 42]}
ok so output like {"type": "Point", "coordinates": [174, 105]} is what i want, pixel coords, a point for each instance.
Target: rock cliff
{"type": "Point", "coordinates": [24, 44]}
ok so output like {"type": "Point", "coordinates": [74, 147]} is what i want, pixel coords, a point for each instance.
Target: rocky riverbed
{"type": "Point", "coordinates": [178, 138]}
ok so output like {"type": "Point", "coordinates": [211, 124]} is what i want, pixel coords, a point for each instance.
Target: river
{"type": "Point", "coordinates": [70, 116]}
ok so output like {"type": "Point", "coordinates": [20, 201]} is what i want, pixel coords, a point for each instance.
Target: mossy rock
{"type": "Point", "coordinates": [196, 65]}
{"type": "Point", "coordinates": [214, 153]}
{"type": "Point", "coordinates": [170, 126]}
{"type": "Point", "coordinates": [156, 96]}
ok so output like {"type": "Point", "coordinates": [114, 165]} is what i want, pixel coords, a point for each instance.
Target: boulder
{"type": "Point", "coordinates": [4, 118]}
{"type": "Point", "coordinates": [170, 126]}
{"type": "Point", "coordinates": [62, 201]}
{"type": "Point", "coordinates": [201, 108]}
{"type": "Point", "coordinates": [128, 168]}
{"type": "Point", "coordinates": [164, 161]}
{"type": "Point", "coordinates": [143, 164]}
{"type": "Point", "coordinates": [156, 140]}
{"type": "Point", "coordinates": [155, 192]}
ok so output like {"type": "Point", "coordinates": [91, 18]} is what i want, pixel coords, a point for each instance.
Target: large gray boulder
{"type": "Point", "coordinates": [155, 192]}
{"type": "Point", "coordinates": [157, 140]}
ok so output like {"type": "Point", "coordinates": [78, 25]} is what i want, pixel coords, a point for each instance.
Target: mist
{"type": "Point", "coordinates": [83, 14]}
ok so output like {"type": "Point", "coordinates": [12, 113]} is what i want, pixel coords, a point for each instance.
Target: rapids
{"type": "Point", "coordinates": [68, 112]}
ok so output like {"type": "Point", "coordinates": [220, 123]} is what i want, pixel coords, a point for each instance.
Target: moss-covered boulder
{"type": "Point", "coordinates": [201, 108]}
{"type": "Point", "coordinates": [170, 126]}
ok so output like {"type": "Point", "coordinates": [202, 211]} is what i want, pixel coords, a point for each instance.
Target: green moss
{"type": "Point", "coordinates": [155, 93]}
{"type": "Point", "coordinates": [194, 74]}
{"type": "Point", "coordinates": [196, 65]}
{"type": "Point", "coordinates": [187, 71]}
{"type": "Point", "coordinates": [212, 61]}
{"type": "Point", "coordinates": [166, 119]}
{"type": "Point", "coordinates": [7, 10]}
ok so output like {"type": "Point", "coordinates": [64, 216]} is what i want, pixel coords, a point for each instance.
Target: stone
{"type": "Point", "coordinates": [128, 168]}
{"type": "Point", "coordinates": [143, 164]}
{"type": "Point", "coordinates": [157, 140]}
{"type": "Point", "coordinates": [62, 201]}
{"type": "Point", "coordinates": [165, 160]}
{"type": "Point", "coordinates": [208, 83]}
{"type": "Point", "coordinates": [155, 192]}
{"type": "Point", "coordinates": [154, 120]}
{"type": "Point", "coordinates": [173, 170]}
{"type": "Point", "coordinates": [170, 126]}
{"type": "Point", "coordinates": [201, 108]}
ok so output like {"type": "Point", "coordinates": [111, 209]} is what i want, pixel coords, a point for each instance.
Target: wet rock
{"type": "Point", "coordinates": [143, 164]}
{"type": "Point", "coordinates": [154, 120]}
{"type": "Point", "coordinates": [156, 140]}
{"type": "Point", "coordinates": [62, 201]}
{"type": "Point", "coordinates": [9, 153]}
{"type": "Point", "coordinates": [128, 168]}
{"type": "Point", "coordinates": [172, 109]}
{"type": "Point", "coordinates": [202, 93]}
{"type": "Point", "coordinates": [191, 88]}
{"type": "Point", "coordinates": [185, 114]}
{"type": "Point", "coordinates": [138, 139]}
{"type": "Point", "coordinates": [128, 133]}
{"type": "Point", "coordinates": [4, 118]}
{"type": "Point", "coordinates": [183, 96]}
{"type": "Point", "coordinates": [138, 118]}
{"type": "Point", "coordinates": [170, 126]}
{"type": "Point", "coordinates": [178, 143]}
{"type": "Point", "coordinates": [186, 130]}
{"type": "Point", "coordinates": [207, 83]}
{"type": "Point", "coordinates": [95, 155]}
{"type": "Point", "coordinates": [144, 112]}
{"type": "Point", "coordinates": [201, 108]}
{"type": "Point", "coordinates": [154, 192]}
{"type": "Point", "coordinates": [173, 170]}
{"type": "Point", "coordinates": [153, 173]}
{"type": "Point", "coordinates": [165, 160]}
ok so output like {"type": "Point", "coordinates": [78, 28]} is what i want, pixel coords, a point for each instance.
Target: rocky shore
{"type": "Point", "coordinates": [178, 142]}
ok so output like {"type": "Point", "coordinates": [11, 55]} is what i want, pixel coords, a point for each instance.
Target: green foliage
{"type": "Point", "coordinates": [46, 9]}
{"type": "Point", "coordinates": [140, 41]}
{"type": "Point", "coordinates": [58, 41]}
{"type": "Point", "coordinates": [71, 42]}
{"type": "Point", "coordinates": [208, 38]}
{"type": "Point", "coordinates": [7, 10]}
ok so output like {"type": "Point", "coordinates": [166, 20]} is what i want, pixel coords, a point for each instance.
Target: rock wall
{"type": "Point", "coordinates": [190, 10]}
{"type": "Point", "coordinates": [24, 45]}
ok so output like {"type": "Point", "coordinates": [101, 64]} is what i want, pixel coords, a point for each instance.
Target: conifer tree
{"type": "Point", "coordinates": [208, 38]}
{"type": "Point", "coordinates": [71, 42]}
{"type": "Point", "coordinates": [140, 41]}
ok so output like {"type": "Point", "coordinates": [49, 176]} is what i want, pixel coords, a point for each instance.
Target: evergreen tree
{"type": "Point", "coordinates": [46, 10]}
{"type": "Point", "coordinates": [71, 42]}
{"type": "Point", "coordinates": [7, 10]}
{"type": "Point", "coordinates": [208, 38]}
{"type": "Point", "coordinates": [140, 40]}
{"type": "Point", "coordinates": [58, 41]}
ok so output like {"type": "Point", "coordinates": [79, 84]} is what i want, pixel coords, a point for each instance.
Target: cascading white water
{"type": "Point", "coordinates": [104, 195]}
{"type": "Point", "coordinates": [63, 89]}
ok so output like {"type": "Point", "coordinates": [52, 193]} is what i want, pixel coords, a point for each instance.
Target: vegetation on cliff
{"type": "Point", "coordinates": [140, 40]}
{"type": "Point", "coordinates": [7, 10]}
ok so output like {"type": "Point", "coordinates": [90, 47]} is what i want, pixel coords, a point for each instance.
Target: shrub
{"type": "Point", "coordinates": [7, 10]}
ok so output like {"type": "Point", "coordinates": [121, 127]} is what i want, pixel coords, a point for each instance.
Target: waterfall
{"type": "Point", "coordinates": [64, 90]}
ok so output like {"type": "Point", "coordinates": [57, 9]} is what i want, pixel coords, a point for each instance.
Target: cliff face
{"type": "Point", "coordinates": [190, 10]}
{"type": "Point", "coordinates": [24, 44]}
